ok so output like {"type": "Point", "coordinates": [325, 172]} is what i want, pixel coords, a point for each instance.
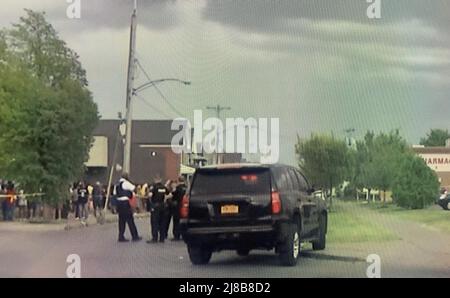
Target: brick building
{"type": "Point", "coordinates": [438, 159]}
{"type": "Point", "coordinates": [151, 152]}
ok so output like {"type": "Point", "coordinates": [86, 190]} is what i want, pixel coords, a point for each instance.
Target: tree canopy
{"type": "Point", "coordinates": [324, 159]}
{"type": "Point", "coordinates": [416, 186]}
{"type": "Point", "coordinates": [386, 151]}
{"type": "Point", "coordinates": [381, 161]}
{"type": "Point", "coordinates": [47, 114]}
{"type": "Point", "coordinates": [435, 138]}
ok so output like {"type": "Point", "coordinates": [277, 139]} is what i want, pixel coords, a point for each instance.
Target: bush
{"type": "Point", "coordinates": [350, 191]}
{"type": "Point", "coordinates": [338, 192]}
{"type": "Point", "coordinates": [416, 185]}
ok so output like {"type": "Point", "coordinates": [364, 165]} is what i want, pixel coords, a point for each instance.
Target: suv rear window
{"type": "Point", "coordinates": [282, 178]}
{"type": "Point", "coordinates": [231, 181]}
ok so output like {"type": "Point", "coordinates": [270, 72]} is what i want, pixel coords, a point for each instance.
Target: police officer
{"type": "Point", "coordinates": [158, 208]}
{"type": "Point", "coordinates": [124, 192]}
{"type": "Point", "coordinates": [171, 185]}
{"type": "Point", "coordinates": [174, 207]}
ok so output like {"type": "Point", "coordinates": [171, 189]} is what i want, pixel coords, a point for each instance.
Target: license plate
{"type": "Point", "coordinates": [229, 209]}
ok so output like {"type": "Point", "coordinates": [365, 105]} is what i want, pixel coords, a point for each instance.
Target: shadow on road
{"type": "Point", "coordinates": [252, 259]}
{"type": "Point", "coordinates": [271, 259]}
{"type": "Point", "coordinates": [321, 256]}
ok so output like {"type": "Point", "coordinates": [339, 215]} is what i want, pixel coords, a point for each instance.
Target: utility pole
{"type": "Point", "coordinates": [130, 81]}
{"type": "Point", "coordinates": [218, 110]}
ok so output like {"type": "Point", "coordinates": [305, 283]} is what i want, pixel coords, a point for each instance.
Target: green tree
{"type": "Point", "coordinates": [324, 160]}
{"type": "Point", "coordinates": [363, 176]}
{"type": "Point", "coordinates": [416, 185]}
{"type": "Point", "coordinates": [39, 47]}
{"type": "Point", "coordinates": [357, 167]}
{"type": "Point", "coordinates": [387, 151]}
{"type": "Point", "coordinates": [47, 114]}
{"type": "Point", "coordinates": [377, 160]}
{"type": "Point", "coordinates": [435, 138]}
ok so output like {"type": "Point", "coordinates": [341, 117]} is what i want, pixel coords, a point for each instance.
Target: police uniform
{"type": "Point", "coordinates": [174, 213]}
{"type": "Point", "coordinates": [124, 191]}
{"type": "Point", "coordinates": [158, 209]}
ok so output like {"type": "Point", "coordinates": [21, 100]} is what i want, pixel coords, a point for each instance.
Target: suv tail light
{"type": "Point", "coordinates": [184, 208]}
{"type": "Point", "coordinates": [276, 202]}
{"type": "Point", "coordinates": [252, 178]}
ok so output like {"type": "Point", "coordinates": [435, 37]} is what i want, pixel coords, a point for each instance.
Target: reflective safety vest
{"type": "Point", "coordinates": [120, 192]}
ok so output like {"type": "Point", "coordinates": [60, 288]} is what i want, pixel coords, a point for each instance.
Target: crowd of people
{"type": "Point", "coordinates": [87, 197]}
{"type": "Point", "coordinates": [161, 200]}
{"type": "Point", "coordinates": [84, 198]}
{"type": "Point", "coordinates": [15, 205]}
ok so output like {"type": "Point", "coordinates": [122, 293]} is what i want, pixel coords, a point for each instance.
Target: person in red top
{"type": "Point", "coordinates": [10, 201]}
{"type": "Point", "coordinates": [2, 199]}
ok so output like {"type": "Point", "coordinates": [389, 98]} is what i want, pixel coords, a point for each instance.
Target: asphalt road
{"type": "Point", "coordinates": [36, 252]}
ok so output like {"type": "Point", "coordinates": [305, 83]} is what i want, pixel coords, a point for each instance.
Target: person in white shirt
{"type": "Point", "coordinates": [22, 203]}
{"type": "Point", "coordinates": [124, 192]}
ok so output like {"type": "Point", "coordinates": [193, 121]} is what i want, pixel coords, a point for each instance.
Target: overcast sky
{"type": "Point", "coordinates": [317, 65]}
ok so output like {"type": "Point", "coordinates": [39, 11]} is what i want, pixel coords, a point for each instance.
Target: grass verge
{"type": "Point", "coordinates": [433, 217]}
{"type": "Point", "coordinates": [347, 224]}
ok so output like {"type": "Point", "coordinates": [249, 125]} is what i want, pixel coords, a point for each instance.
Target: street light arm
{"type": "Point", "coordinates": [152, 83]}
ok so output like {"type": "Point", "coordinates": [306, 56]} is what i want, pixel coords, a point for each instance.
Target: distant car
{"type": "Point", "coordinates": [444, 201]}
{"type": "Point", "coordinates": [251, 206]}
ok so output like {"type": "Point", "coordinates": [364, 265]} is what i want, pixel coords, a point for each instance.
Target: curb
{"type": "Point", "coordinates": [110, 218]}
{"type": "Point", "coordinates": [61, 225]}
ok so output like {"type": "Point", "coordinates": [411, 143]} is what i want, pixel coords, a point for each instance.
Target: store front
{"type": "Point", "coordinates": [438, 159]}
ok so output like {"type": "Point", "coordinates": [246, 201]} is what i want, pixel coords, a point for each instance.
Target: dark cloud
{"type": "Point", "coordinates": [341, 28]}
{"type": "Point", "coordinates": [115, 14]}
{"type": "Point", "coordinates": [270, 15]}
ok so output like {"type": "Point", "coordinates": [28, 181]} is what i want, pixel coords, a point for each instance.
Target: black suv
{"type": "Point", "coordinates": [251, 206]}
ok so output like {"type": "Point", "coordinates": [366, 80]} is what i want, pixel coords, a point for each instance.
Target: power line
{"type": "Point", "coordinates": [218, 109]}
{"type": "Point", "coordinates": [159, 90]}
{"type": "Point", "coordinates": [148, 104]}
{"type": "Point", "coordinates": [144, 62]}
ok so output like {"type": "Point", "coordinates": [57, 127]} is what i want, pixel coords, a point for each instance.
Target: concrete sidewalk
{"type": "Point", "coordinates": [60, 225]}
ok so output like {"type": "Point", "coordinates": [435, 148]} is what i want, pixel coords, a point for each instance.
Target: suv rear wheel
{"type": "Point", "coordinates": [199, 255]}
{"type": "Point", "coordinates": [290, 250]}
{"type": "Point", "coordinates": [320, 243]}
